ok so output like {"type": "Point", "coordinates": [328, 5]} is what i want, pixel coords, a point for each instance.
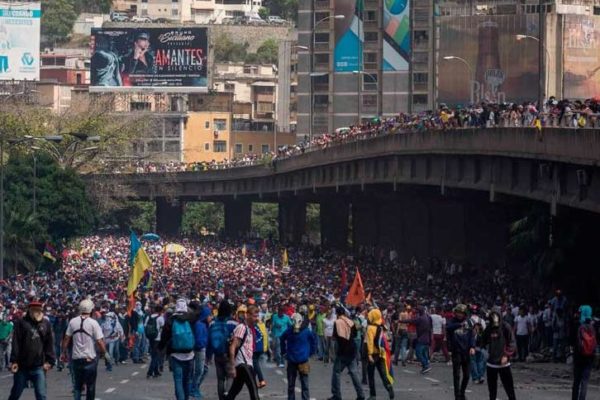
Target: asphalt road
{"type": "Point", "coordinates": [128, 382]}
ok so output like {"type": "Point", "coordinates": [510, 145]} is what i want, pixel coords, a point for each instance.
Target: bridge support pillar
{"type": "Point", "coordinates": [168, 216]}
{"type": "Point", "coordinates": [334, 217]}
{"type": "Point", "coordinates": [292, 220]}
{"type": "Point", "coordinates": [238, 217]}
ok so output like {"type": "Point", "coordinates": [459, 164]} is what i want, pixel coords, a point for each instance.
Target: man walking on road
{"type": "Point", "coordinates": [585, 347]}
{"type": "Point", "coordinates": [462, 345]}
{"type": "Point", "coordinates": [85, 334]}
{"type": "Point", "coordinates": [298, 343]}
{"type": "Point", "coordinates": [378, 350]}
{"type": "Point", "coordinates": [240, 357]}
{"type": "Point", "coordinates": [32, 352]}
{"type": "Point", "coordinates": [344, 334]}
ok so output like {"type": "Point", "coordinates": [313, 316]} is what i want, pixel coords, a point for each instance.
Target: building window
{"type": "Point", "coordinates": [206, 146]}
{"type": "Point", "coordinates": [154, 146]}
{"type": "Point", "coordinates": [369, 100]}
{"type": "Point", "coordinates": [219, 146]}
{"type": "Point", "coordinates": [421, 38]}
{"type": "Point", "coordinates": [371, 36]}
{"type": "Point", "coordinates": [140, 106]}
{"type": "Point", "coordinates": [322, 37]}
{"type": "Point", "coordinates": [322, 58]}
{"type": "Point", "coordinates": [174, 12]}
{"type": "Point", "coordinates": [370, 16]}
{"type": "Point", "coordinates": [238, 148]}
{"type": "Point", "coordinates": [264, 148]}
{"type": "Point", "coordinates": [220, 124]}
{"type": "Point", "coordinates": [319, 16]}
{"type": "Point", "coordinates": [369, 81]}
{"type": "Point", "coordinates": [207, 125]}
{"type": "Point", "coordinates": [144, 12]}
{"type": "Point", "coordinates": [230, 87]}
{"type": "Point", "coordinates": [420, 99]}
{"type": "Point", "coordinates": [264, 107]}
{"type": "Point", "coordinates": [250, 148]}
{"type": "Point", "coordinates": [172, 146]}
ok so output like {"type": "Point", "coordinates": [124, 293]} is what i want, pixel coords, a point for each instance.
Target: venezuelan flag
{"type": "Point", "coordinates": [139, 263]}
{"type": "Point", "coordinates": [385, 352]}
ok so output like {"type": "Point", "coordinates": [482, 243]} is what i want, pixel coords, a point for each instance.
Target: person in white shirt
{"type": "Point", "coordinates": [85, 334]}
{"type": "Point", "coordinates": [328, 323]}
{"type": "Point", "coordinates": [522, 330]}
{"type": "Point", "coordinates": [438, 324]}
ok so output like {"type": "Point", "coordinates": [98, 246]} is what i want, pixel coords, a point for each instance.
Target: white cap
{"type": "Point", "coordinates": [86, 306]}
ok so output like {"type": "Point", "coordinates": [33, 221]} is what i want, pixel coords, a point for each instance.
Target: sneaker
{"type": "Point", "coordinates": [481, 381]}
{"type": "Point", "coordinates": [404, 363]}
{"type": "Point", "coordinates": [281, 366]}
{"type": "Point", "coordinates": [425, 370]}
{"type": "Point", "coordinates": [391, 393]}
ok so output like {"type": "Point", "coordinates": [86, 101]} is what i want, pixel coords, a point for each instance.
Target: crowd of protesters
{"type": "Point", "coordinates": [555, 113]}
{"type": "Point", "coordinates": [482, 319]}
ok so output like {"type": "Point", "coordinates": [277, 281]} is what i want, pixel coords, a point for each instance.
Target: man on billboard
{"type": "Point", "coordinates": [107, 64]}
{"type": "Point", "coordinates": [140, 60]}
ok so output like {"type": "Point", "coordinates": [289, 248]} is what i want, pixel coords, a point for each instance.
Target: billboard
{"type": "Point", "coordinates": [396, 35]}
{"type": "Point", "coordinates": [581, 78]}
{"type": "Point", "coordinates": [348, 36]}
{"type": "Point", "coordinates": [164, 59]}
{"type": "Point", "coordinates": [20, 41]}
{"type": "Point", "coordinates": [480, 59]}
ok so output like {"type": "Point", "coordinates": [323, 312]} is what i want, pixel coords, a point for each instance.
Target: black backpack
{"type": "Point", "coordinates": [151, 328]}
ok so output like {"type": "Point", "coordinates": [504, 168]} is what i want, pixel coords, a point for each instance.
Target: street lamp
{"type": "Point", "coordinates": [541, 66]}
{"type": "Point", "coordinates": [312, 68]}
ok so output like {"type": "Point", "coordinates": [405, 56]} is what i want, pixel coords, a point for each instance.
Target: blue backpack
{"type": "Point", "coordinates": [200, 335]}
{"type": "Point", "coordinates": [218, 337]}
{"type": "Point", "coordinates": [182, 337]}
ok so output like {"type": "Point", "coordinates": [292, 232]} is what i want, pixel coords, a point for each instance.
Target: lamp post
{"type": "Point", "coordinates": [541, 66]}
{"type": "Point", "coordinates": [374, 79]}
{"type": "Point", "coordinates": [312, 68]}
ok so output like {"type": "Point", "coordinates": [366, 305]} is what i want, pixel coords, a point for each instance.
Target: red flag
{"type": "Point", "coordinates": [166, 261]}
{"type": "Point", "coordinates": [356, 294]}
{"type": "Point", "coordinates": [131, 304]}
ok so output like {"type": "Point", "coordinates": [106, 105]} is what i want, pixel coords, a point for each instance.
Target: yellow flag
{"type": "Point", "coordinates": [284, 258]}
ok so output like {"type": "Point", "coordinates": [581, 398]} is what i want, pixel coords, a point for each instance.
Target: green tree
{"type": "Point", "coordinates": [263, 12]}
{"type": "Point", "coordinates": [268, 52]}
{"type": "Point", "coordinates": [265, 219]}
{"type": "Point", "coordinates": [58, 18]}
{"type": "Point", "coordinates": [226, 50]}
{"type": "Point", "coordinates": [287, 9]}
{"type": "Point", "coordinates": [92, 6]}
{"type": "Point", "coordinates": [200, 215]}
{"type": "Point", "coordinates": [22, 229]}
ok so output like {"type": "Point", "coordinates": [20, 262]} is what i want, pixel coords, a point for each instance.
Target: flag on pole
{"type": "Point", "coordinates": [356, 294]}
{"type": "Point", "coordinates": [284, 258]}
{"type": "Point", "coordinates": [139, 263]}
{"type": "Point", "coordinates": [49, 252]}
{"type": "Point", "coordinates": [344, 281]}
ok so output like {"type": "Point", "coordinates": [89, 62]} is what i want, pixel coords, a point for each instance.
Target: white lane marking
{"type": "Point", "coordinates": [285, 380]}
{"type": "Point", "coordinates": [298, 390]}
{"type": "Point", "coordinates": [408, 371]}
{"type": "Point", "coordinates": [134, 373]}
{"type": "Point", "coordinates": [5, 376]}
{"type": "Point", "coordinates": [432, 380]}
{"type": "Point", "coordinates": [143, 366]}
{"type": "Point", "coordinates": [110, 390]}
{"type": "Point", "coordinates": [124, 381]}
{"type": "Point", "coordinates": [278, 372]}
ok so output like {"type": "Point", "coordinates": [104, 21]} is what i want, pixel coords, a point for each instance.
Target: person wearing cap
{"type": "Point", "coordinates": [461, 341]}
{"type": "Point", "coordinates": [583, 356]}
{"type": "Point", "coordinates": [84, 333]}
{"type": "Point", "coordinates": [298, 343]}
{"type": "Point", "coordinates": [32, 353]}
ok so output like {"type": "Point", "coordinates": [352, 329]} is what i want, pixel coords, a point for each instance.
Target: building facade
{"type": "Point", "coordinates": [198, 11]}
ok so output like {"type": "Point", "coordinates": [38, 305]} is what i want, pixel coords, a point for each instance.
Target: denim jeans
{"type": "Point", "coordinates": [84, 373]}
{"type": "Point", "coordinates": [339, 365]}
{"type": "Point", "coordinates": [422, 352]}
{"type": "Point", "coordinates": [138, 348]}
{"type": "Point", "coordinates": [114, 350]}
{"type": "Point", "coordinates": [320, 340]}
{"type": "Point", "coordinates": [154, 370]}
{"type": "Point", "coordinates": [277, 350]}
{"type": "Point", "coordinates": [198, 374]}
{"type": "Point", "coordinates": [256, 364]}
{"type": "Point", "coordinates": [401, 348]}
{"type": "Point", "coordinates": [460, 364]}
{"type": "Point", "coordinates": [36, 375]}
{"type": "Point", "coordinates": [292, 373]}
{"type": "Point", "coordinates": [182, 374]}
{"type": "Point", "coordinates": [478, 366]}
{"type": "Point", "coordinates": [221, 370]}
{"type": "Point", "coordinates": [3, 353]}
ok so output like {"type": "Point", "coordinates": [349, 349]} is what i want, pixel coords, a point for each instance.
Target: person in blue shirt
{"type": "Point", "coordinates": [280, 323]}
{"type": "Point", "coordinates": [298, 343]}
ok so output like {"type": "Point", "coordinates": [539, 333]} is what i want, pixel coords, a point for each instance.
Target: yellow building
{"type": "Point", "coordinates": [207, 136]}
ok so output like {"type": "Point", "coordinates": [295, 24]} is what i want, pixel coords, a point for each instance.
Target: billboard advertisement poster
{"type": "Point", "coordinates": [396, 35]}
{"type": "Point", "coordinates": [581, 77]}
{"type": "Point", "coordinates": [348, 36]}
{"type": "Point", "coordinates": [163, 59]}
{"type": "Point", "coordinates": [481, 60]}
{"type": "Point", "coordinates": [20, 41]}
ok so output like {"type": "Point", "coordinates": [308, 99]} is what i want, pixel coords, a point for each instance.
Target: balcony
{"type": "Point", "coordinates": [321, 47]}
{"type": "Point", "coordinates": [371, 4]}
{"type": "Point", "coordinates": [322, 5]}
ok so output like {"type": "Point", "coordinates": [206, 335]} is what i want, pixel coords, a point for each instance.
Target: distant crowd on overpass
{"type": "Point", "coordinates": [555, 113]}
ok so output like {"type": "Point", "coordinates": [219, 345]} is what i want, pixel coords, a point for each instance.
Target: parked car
{"type": "Point", "coordinates": [162, 20]}
{"type": "Point", "coordinates": [276, 20]}
{"type": "Point", "coordinates": [228, 20]}
{"type": "Point", "coordinates": [117, 16]}
{"type": "Point", "coordinates": [252, 20]}
{"type": "Point", "coordinates": [141, 19]}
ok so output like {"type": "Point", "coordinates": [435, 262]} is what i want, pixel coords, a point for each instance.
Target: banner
{"type": "Point", "coordinates": [348, 36]}
{"type": "Point", "coordinates": [158, 58]}
{"type": "Point", "coordinates": [396, 35]}
{"type": "Point", "coordinates": [480, 59]}
{"type": "Point", "coordinates": [20, 41]}
{"type": "Point", "coordinates": [581, 59]}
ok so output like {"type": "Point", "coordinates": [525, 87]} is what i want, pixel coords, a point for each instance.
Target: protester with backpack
{"type": "Point", "coordinates": [177, 338]}
{"type": "Point", "coordinates": [584, 350]}
{"type": "Point", "coordinates": [153, 327]}
{"type": "Point", "coordinates": [219, 334]}
{"type": "Point", "coordinates": [240, 357]}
